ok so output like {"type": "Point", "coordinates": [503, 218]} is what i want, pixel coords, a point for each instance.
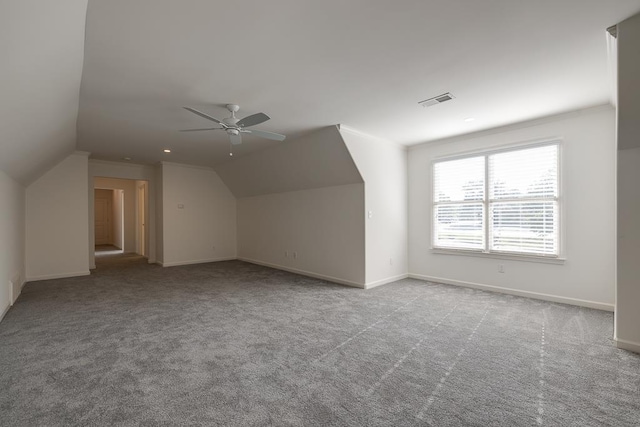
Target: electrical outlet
{"type": "Point", "coordinates": [295, 255]}
{"type": "Point", "coordinates": [213, 248]}
{"type": "Point", "coordinates": [500, 268]}
{"type": "Point", "coordinates": [390, 261]}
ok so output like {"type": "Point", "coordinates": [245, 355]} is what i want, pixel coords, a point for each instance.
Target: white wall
{"type": "Point", "coordinates": [324, 227]}
{"type": "Point", "coordinates": [588, 202]}
{"type": "Point", "coordinates": [132, 171]}
{"type": "Point", "coordinates": [12, 202]}
{"type": "Point", "coordinates": [305, 196]}
{"type": "Point", "coordinates": [628, 295]}
{"type": "Point", "coordinates": [628, 256]}
{"type": "Point", "coordinates": [128, 186]}
{"type": "Point", "coordinates": [118, 218]}
{"type": "Point", "coordinates": [383, 166]}
{"type": "Point", "coordinates": [42, 52]}
{"type": "Point", "coordinates": [142, 207]}
{"type": "Point", "coordinates": [57, 216]}
{"type": "Point", "coordinates": [199, 216]}
{"type": "Point", "coordinates": [158, 229]}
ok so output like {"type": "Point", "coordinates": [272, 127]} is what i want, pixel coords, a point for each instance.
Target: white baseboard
{"type": "Point", "coordinates": [197, 261]}
{"type": "Point", "coordinates": [385, 281]}
{"type": "Point", "coordinates": [17, 283]}
{"type": "Point", "coordinates": [528, 294]}
{"type": "Point", "coordinates": [4, 312]}
{"type": "Point", "coordinates": [306, 273]}
{"type": "Point", "coordinates": [58, 276]}
{"type": "Point", "coordinates": [627, 345]}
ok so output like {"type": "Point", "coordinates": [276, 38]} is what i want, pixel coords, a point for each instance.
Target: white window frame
{"type": "Point", "coordinates": [560, 258]}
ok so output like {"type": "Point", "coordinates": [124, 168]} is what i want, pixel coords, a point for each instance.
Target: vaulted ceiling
{"type": "Point", "coordinates": [308, 64]}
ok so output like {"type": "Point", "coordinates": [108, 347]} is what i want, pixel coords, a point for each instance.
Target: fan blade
{"type": "Point", "coordinates": [265, 134]}
{"type": "Point", "coordinates": [206, 116]}
{"type": "Point", "coordinates": [235, 139]}
{"type": "Point", "coordinates": [198, 130]}
{"type": "Point", "coordinates": [254, 119]}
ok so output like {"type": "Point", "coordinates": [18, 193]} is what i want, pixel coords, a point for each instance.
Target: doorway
{"type": "Point", "coordinates": [120, 217]}
{"type": "Point", "coordinates": [103, 217]}
{"type": "Point", "coordinates": [108, 221]}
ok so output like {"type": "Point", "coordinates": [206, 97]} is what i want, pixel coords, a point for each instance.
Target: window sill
{"type": "Point", "coordinates": [513, 257]}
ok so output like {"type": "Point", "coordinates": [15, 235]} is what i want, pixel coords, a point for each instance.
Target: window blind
{"type": "Point", "coordinates": [523, 201]}
{"type": "Point", "coordinates": [504, 201]}
{"type": "Point", "coordinates": [459, 193]}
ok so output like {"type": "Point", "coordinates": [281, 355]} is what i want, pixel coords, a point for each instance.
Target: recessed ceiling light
{"type": "Point", "coordinates": [128, 159]}
{"type": "Point", "coordinates": [166, 150]}
{"type": "Point", "coordinates": [469, 119]}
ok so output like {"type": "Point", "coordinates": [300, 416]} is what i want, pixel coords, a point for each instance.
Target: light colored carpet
{"type": "Point", "coordinates": [232, 343]}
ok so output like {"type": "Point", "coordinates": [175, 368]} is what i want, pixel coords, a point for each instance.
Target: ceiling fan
{"type": "Point", "coordinates": [235, 127]}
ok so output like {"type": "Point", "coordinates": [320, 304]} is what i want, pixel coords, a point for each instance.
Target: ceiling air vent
{"type": "Point", "coordinates": [437, 100]}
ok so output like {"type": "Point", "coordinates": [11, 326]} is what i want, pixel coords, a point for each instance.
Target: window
{"type": "Point", "coordinates": [499, 202]}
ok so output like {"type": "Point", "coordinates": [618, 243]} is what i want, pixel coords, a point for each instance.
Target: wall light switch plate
{"type": "Point", "coordinates": [180, 206]}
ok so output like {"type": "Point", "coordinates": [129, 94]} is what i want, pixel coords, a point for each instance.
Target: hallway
{"type": "Point", "coordinates": [111, 256]}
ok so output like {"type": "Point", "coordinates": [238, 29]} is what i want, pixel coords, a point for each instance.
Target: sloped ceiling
{"type": "Point", "coordinates": [308, 64]}
{"type": "Point", "coordinates": [317, 160]}
{"type": "Point", "coordinates": [41, 50]}
{"type": "Point", "coordinates": [311, 64]}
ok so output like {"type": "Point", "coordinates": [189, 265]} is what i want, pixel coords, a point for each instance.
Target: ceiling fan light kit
{"type": "Point", "coordinates": [235, 127]}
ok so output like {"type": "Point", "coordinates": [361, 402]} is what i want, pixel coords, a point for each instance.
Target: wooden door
{"type": "Point", "coordinates": [103, 221]}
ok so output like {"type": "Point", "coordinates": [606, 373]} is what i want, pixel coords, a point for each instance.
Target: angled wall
{"type": "Point", "coordinates": [317, 160]}
{"type": "Point", "coordinates": [301, 208]}
{"type": "Point", "coordinates": [42, 52]}
{"type": "Point", "coordinates": [383, 166]}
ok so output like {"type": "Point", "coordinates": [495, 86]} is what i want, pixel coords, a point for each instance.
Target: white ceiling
{"type": "Point", "coordinates": [310, 64]}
